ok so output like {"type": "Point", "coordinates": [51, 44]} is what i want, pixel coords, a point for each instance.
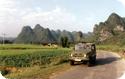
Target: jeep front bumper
{"type": "Point", "coordinates": [78, 59]}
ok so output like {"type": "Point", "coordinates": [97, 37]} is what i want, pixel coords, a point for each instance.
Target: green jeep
{"type": "Point", "coordinates": [83, 52]}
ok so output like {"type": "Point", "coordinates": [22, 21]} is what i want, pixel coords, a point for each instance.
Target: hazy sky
{"type": "Point", "coordinates": [71, 15]}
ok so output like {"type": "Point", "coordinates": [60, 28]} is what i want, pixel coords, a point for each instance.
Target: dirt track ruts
{"type": "Point", "coordinates": [108, 66]}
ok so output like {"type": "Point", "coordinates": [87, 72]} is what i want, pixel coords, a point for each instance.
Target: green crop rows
{"type": "Point", "coordinates": [32, 57]}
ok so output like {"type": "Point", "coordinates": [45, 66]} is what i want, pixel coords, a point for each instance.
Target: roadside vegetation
{"type": "Point", "coordinates": [120, 49]}
{"type": "Point", "coordinates": [24, 61]}
{"type": "Point", "coordinates": [114, 48]}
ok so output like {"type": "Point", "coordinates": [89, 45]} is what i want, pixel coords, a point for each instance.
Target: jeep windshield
{"type": "Point", "coordinates": [82, 48]}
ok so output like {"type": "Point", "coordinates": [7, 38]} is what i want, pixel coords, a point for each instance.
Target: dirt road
{"type": "Point", "coordinates": [109, 66]}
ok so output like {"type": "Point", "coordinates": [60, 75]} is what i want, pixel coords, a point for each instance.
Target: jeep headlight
{"type": "Point", "coordinates": [85, 55]}
{"type": "Point", "coordinates": [71, 55]}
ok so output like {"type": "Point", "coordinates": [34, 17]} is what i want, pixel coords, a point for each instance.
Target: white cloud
{"type": "Point", "coordinates": [56, 15]}
{"type": "Point", "coordinates": [6, 8]}
{"type": "Point", "coordinates": [57, 18]}
{"type": "Point", "coordinates": [123, 2]}
{"type": "Point", "coordinates": [13, 18]}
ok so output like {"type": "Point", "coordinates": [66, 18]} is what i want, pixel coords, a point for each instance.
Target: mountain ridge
{"type": "Point", "coordinates": [39, 34]}
{"type": "Point", "coordinates": [110, 29]}
{"type": "Point", "coordinates": [104, 32]}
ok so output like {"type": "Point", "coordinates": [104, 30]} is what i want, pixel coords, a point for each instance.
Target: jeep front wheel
{"type": "Point", "coordinates": [71, 62]}
{"type": "Point", "coordinates": [92, 61]}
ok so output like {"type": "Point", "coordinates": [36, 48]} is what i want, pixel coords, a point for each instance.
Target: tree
{"type": "Point", "coordinates": [64, 41]}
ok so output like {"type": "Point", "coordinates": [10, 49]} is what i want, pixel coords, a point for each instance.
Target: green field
{"type": "Point", "coordinates": [37, 61]}
{"type": "Point", "coordinates": [35, 57]}
{"type": "Point", "coordinates": [23, 46]}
